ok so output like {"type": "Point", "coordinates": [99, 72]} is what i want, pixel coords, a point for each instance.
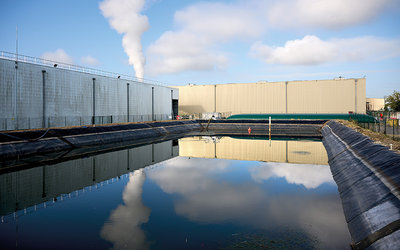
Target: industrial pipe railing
{"type": "Point", "coordinates": [49, 63]}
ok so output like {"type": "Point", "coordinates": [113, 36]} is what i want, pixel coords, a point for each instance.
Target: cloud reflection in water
{"type": "Point", "coordinates": [123, 228]}
{"type": "Point", "coordinates": [310, 176]}
{"type": "Point", "coordinates": [204, 197]}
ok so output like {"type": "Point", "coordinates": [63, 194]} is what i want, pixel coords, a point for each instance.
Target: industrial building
{"type": "Point", "coordinates": [375, 104]}
{"type": "Point", "coordinates": [36, 93]}
{"type": "Point", "coordinates": [339, 95]}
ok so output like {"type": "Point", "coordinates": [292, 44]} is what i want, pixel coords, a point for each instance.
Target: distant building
{"type": "Point", "coordinates": [375, 104]}
{"type": "Point", "coordinates": [339, 95]}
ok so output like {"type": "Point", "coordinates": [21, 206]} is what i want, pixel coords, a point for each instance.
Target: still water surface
{"type": "Point", "coordinates": [201, 193]}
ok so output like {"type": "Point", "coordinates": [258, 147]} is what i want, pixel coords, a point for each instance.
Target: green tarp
{"type": "Point", "coordinates": [357, 117]}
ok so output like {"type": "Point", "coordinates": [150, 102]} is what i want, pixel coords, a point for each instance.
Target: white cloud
{"type": "Point", "coordinates": [124, 16]}
{"type": "Point", "coordinates": [310, 176]}
{"type": "Point", "coordinates": [180, 51]}
{"type": "Point", "coordinates": [324, 13]}
{"type": "Point", "coordinates": [202, 29]}
{"type": "Point", "coordinates": [220, 22]}
{"type": "Point", "coordinates": [58, 56]}
{"type": "Point", "coordinates": [89, 60]}
{"type": "Point", "coordinates": [124, 226]}
{"type": "Point", "coordinates": [311, 50]}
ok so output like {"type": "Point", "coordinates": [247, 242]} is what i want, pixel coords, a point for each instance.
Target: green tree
{"type": "Point", "coordinates": [392, 102]}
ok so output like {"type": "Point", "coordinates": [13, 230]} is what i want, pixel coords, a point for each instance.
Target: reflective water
{"type": "Point", "coordinates": [277, 194]}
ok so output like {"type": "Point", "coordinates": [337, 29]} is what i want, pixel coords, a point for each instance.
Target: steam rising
{"type": "Point", "coordinates": [124, 16]}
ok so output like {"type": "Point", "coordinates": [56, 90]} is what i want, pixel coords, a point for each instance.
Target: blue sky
{"type": "Point", "coordinates": [208, 42]}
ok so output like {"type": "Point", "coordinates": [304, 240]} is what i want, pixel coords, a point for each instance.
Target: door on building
{"type": "Point", "coordinates": [174, 108]}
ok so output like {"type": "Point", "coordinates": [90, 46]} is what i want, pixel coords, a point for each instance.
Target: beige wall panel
{"type": "Point", "coordinates": [196, 99]}
{"type": "Point", "coordinates": [196, 147]}
{"type": "Point", "coordinates": [307, 152]}
{"type": "Point", "coordinates": [319, 96]}
{"type": "Point", "coordinates": [361, 99]}
{"type": "Point", "coordinates": [301, 152]}
{"type": "Point", "coordinates": [376, 104]}
{"type": "Point", "coordinates": [251, 150]}
{"type": "Point", "coordinates": [251, 98]}
{"type": "Point", "coordinates": [328, 96]}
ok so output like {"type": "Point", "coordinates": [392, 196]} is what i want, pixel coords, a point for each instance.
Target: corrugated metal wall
{"type": "Point", "coordinates": [318, 96]}
{"type": "Point", "coordinates": [37, 96]}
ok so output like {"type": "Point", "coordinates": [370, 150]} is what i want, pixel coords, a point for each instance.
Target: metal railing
{"type": "Point", "coordinates": [49, 63]}
{"type": "Point", "coordinates": [66, 121]}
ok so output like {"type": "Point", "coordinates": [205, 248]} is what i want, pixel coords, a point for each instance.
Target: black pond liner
{"type": "Point", "coordinates": [28, 143]}
{"type": "Point", "coordinates": [368, 180]}
{"type": "Point", "coordinates": [22, 144]}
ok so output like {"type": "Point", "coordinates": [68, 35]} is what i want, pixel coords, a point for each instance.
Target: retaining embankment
{"type": "Point", "coordinates": [36, 142]}
{"type": "Point", "coordinates": [279, 128]}
{"type": "Point", "coordinates": [26, 143]}
{"type": "Point", "coordinates": [368, 180]}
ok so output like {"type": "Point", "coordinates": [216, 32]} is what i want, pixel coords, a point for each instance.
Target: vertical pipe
{"type": "Point", "coordinates": [152, 103]}
{"type": "Point", "coordinates": [287, 160]}
{"type": "Point", "coordinates": [172, 104]}
{"type": "Point", "coordinates": [44, 98]}
{"type": "Point", "coordinates": [152, 152]}
{"type": "Point", "coordinates": [16, 96]}
{"type": "Point", "coordinates": [270, 127]}
{"type": "Point", "coordinates": [286, 84]}
{"type": "Point", "coordinates": [94, 100]}
{"type": "Point", "coordinates": [215, 98]}
{"type": "Point", "coordinates": [94, 168]}
{"type": "Point", "coordinates": [127, 159]}
{"type": "Point", "coordinates": [355, 96]}
{"type": "Point", "coordinates": [127, 100]}
{"type": "Point", "coordinates": [215, 149]}
{"type": "Point", "coordinates": [43, 181]}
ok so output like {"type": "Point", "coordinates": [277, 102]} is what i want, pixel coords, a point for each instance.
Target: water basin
{"type": "Point", "coordinates": [195, 192]}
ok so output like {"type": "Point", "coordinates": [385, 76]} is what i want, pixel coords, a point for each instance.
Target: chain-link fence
{"type": "Point", "coordinates": [385, 126]}
{"type": "Point", "coordinates": [67, 121]}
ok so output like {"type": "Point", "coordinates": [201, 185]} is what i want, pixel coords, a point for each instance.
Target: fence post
{"type": "Point", "coordinates": [379, 128]}
{"type": "Point", "coordinates": [393, 129]}
{"type": "Point", "coordinates": [384, 123]}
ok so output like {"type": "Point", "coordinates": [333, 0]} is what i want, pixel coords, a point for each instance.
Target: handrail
{"type": "Point", "coordinates": [45, 62]}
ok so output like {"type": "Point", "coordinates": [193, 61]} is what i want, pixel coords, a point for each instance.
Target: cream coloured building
{"type": "Point", "coordinates": [317, 96]}
{"type": "Point", "coordinates": [375, 104]}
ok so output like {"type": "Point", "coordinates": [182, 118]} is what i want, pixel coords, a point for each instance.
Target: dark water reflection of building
{"type": "Point", "coordinates": [26, 188]}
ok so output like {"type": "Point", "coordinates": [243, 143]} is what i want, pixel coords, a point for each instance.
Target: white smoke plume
{"type": "Point", "coordinates": [124, 16]}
